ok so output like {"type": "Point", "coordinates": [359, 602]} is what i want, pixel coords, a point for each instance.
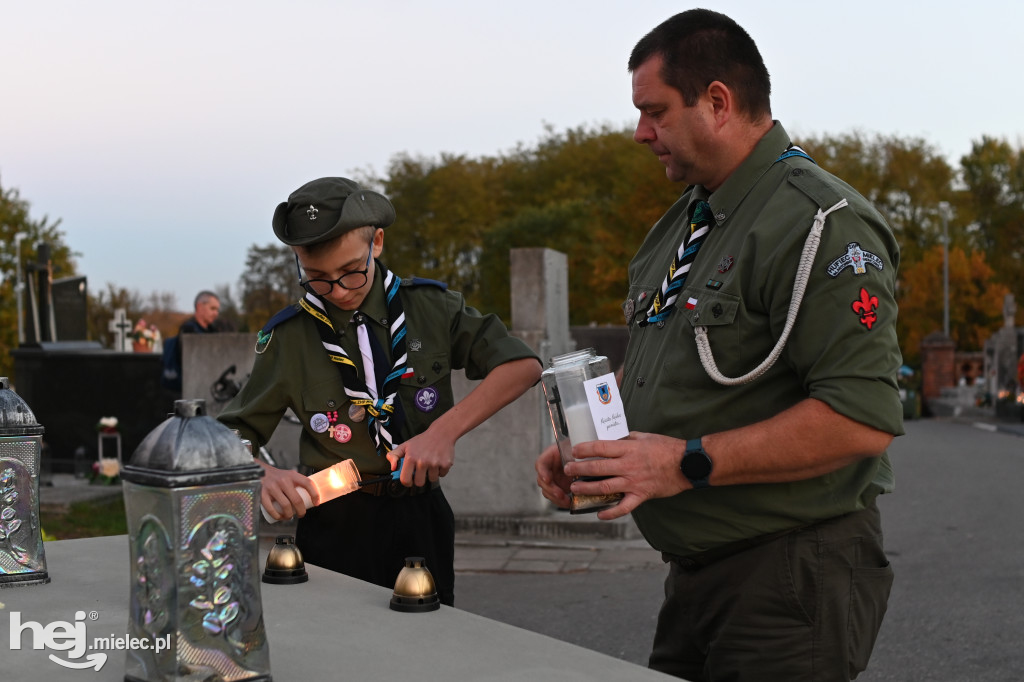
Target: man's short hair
{"type": "Point", "coordinates": [699, 47]}
{"type": "Point", "coordinates": [203, 297]}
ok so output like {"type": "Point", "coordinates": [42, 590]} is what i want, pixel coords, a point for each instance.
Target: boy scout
{"type": "Point", "coordinates": [364, 360]}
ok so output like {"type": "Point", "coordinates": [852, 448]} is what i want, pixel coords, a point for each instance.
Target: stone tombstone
{"type": "Point", "coordinates": [1009, 311]}
{"type": "Point", "coordinates": [70, 307]}
{"type": "Point", "coordinates": [120, 328]}
{"type": "Point", "coordinates": [214, 367]}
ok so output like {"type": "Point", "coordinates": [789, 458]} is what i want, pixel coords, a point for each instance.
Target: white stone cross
{"type": "Point", "coordinates": [121, 327]}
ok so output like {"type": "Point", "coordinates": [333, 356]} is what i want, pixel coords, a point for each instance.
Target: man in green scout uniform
{"type": "Point", "coordinates": [364, 361]}
{"type": "Point", "coordinates": [759, 380]}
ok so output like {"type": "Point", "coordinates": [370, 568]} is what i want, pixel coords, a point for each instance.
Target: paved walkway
{"type": "Point", "coordinates": [476, 553]}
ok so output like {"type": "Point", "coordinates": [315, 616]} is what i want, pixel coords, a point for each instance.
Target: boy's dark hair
{"type": "Point", "coordinates": [700, 46]}
{"type": "Point", "coordinates": [367, 232]}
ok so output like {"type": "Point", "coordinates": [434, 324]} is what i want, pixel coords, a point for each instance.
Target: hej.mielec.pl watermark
{"type": "Point", "coordinates": [71, 638]}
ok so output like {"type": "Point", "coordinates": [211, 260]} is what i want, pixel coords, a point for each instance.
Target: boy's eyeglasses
{"type": "Point", "coordinates": [350, 280]}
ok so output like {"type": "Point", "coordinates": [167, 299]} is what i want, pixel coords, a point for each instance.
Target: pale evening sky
{"type": "Point", "coordinates": [163, 135]}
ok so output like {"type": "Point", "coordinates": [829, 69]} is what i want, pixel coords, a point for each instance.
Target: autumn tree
{"type": "Point", "coordinates": [906, 179]}
{"type": "Point", "coordinates": [975, 301]}
{"type": "Point", "coordinates": [993, 173]}
{"type": "Point", "coordinates": [268, 284]}
{"type": "Point", "coordinates": [14, 221]}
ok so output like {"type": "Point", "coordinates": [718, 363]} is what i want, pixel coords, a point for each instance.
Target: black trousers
{"type": "Point", "coordinates": [369, 537]}
{"type": "Point", "coordinates": [802, 606]}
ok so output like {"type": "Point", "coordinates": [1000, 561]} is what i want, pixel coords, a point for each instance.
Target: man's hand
{"type": "Point", "coordinates": [279, 485]}
{"type": "Point", "coordinates": [553, 482]}
{"type": "Point", "coordinates": [643, 466]}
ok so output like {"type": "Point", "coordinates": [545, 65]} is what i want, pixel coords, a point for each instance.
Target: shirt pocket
{"type": "Point", "coordinates": [703, 307]}
{"type": "Point", "coordinates": [325, 396]}
{"type": "Point", "coordinates": [635, 306]}
{"type": "Point", "coordinates": [719, 312]}
{"type": "Point", "coordinates": [427, 392]}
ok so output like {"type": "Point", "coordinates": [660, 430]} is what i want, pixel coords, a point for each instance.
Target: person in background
{"type": "Point", "coordinates": [759, 381]}
{"type": "Point", "coordinates": [364, 361]}
{"type": "Point", "coordinates": [207, 308]}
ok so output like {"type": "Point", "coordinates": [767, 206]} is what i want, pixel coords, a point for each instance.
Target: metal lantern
{"type": "Point", "coordinates": [191, 494]}
{"type": "Point", "coordinates": [22, 560]}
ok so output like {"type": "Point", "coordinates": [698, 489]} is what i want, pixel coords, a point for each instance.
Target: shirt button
{"type": "Point", "coordinates": [421, 379]}
{"type": "Point", "coordinates": [436, 367]}
{"type": "Point", "coordinates": [640, 381]}
{"type": "Point", "coordinates": [331, 404]}
{"type": "Point", "coordinates": [720, 216]}
{"type": "Point", "coordinates": [797, 172]}
{"type": "Point", "coordinates": [384, 321]}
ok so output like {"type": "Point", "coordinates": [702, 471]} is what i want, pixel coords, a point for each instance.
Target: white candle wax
{"type": "Point", "coordinates": [335, 481]}
{"type": "Point", "coordinates": [580, 423]}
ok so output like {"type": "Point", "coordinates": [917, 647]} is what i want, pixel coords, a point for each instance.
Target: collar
{"type": "Point", "coordinates": [726, 199]}
{"type": "Point", "coordinates": [374, 305]}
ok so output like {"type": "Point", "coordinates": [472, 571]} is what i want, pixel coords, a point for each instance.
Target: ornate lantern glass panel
{"type": "Point", "coordinates": [22, 559]}
{"type": "Point", "coordinates": [191, 495]}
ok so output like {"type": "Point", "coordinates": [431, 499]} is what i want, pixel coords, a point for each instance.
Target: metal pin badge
{"type": "Point", "coordinates": [356, 413]}
{"type": "Point", "coordinates": [319, 422]}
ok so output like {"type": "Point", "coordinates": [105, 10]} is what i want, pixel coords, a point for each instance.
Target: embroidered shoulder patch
{"type": "Point", "coordinates": [856, 258]}
{"type": "Point", "coordinates": [865, 307]}
{"type": "Point", "coordinates": [263, 340]}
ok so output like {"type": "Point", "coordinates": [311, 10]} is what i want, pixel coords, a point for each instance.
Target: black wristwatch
{"type": "Point", "coordinates": [696, 464]}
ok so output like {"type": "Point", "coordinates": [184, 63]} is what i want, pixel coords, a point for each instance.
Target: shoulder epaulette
{"type": "Point", "coordinates": [422, 281]}
{"type": "Point", "coordinates": [280, 316]}
{"type": "Point", "coordinates": [815, 184]}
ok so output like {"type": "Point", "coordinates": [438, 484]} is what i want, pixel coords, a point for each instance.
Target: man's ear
{"type": "Point", "coordinates": [722, 102]}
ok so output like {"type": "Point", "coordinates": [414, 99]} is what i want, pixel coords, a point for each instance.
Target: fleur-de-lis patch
{"type": "Point", "coordinates": [312, 211]}
{"type": "Point", "coordinates": [865, 307]}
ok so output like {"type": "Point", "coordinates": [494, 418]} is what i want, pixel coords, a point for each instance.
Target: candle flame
{"type": "Point", "coordinates": [337, 480]}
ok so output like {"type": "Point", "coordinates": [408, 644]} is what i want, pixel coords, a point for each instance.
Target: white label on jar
{"type": "Point", "coordinates": [606, 409]}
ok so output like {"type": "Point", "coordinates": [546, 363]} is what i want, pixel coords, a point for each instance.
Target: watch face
{"type": "Point", "coordinates": [696, 466]}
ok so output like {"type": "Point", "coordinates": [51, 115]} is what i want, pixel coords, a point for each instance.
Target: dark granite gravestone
{"type": "Point", "coordinates": [70, 298]}
{"type": "Point", "coordinates": [71, 385]}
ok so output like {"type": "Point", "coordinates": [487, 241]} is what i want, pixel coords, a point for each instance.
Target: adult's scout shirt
{"type": "Point", "coordinates": [843, 349]}
{"type": "Point", "coordinates": [292, 370]}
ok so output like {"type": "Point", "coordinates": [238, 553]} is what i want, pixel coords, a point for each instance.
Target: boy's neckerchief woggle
{"type": "Point", "coordinates": [381, 408]}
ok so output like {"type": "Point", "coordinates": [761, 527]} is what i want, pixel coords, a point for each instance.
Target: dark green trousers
{"type": "Point", "coordinates": [803, 606]}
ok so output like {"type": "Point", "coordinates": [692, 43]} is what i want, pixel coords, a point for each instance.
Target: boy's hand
{"type": "Point", "coordinates": [279, 486]}
{"type": "Point", "coordinates": [427, 456]}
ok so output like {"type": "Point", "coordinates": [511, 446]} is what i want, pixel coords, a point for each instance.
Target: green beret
{"type": "Point", "coordinates": [327, 208]}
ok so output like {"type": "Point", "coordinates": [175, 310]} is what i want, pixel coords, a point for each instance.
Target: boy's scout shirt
{"type": "Point", "coordinates": [843, 348]}
{"type": "Point", "coordinates": [292, 370]}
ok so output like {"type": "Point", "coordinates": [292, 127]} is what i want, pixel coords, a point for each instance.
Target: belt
{"type": "Point", "coordinates": [396, 489]}
{"type": "Point", "coordinates": [694, 562]}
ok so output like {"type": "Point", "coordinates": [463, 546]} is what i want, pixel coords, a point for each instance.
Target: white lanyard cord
{"type": "Point", "coordinates": [803, 272]}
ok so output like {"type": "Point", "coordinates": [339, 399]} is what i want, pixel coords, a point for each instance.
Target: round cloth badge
{"type": "Point", "coordinates": [319, 422]}
{"type": "Point", "coordinates": [426, 399]}
{"type": "Point", "coordinates": [341, 433]}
